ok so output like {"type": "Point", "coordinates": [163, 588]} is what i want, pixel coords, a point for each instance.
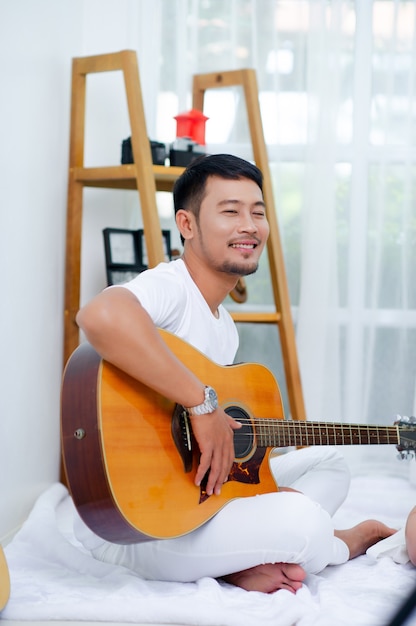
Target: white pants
{"type": "Point", "coordinates": [271, 528]}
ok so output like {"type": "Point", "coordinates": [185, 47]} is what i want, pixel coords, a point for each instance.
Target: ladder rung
{"type": "Point", "coordinates": [256, 317]}
{"type": "Point", "coordinates": [125, 176]}
{"type": "Point", "coordinates": [113, 177]}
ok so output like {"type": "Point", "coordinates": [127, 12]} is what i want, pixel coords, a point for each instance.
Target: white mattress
{"type": "Point", "coordinates": [53, 578]}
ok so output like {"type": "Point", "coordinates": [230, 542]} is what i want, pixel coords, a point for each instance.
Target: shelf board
{"type": "Point", "coordinates": [124, 176]}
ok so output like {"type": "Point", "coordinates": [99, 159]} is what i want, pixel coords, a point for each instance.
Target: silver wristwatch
{"type": "Point", "coordinates": [209, 404]}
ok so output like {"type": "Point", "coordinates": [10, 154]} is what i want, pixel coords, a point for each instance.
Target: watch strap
{"type": "Point", "coordinates": [208, 406]}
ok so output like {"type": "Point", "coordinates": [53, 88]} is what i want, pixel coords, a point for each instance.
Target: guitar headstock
{"type": "Point", "coordinates": [407, 432]}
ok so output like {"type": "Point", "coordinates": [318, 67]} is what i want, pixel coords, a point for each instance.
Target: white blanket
{"type": "Point", "coordinates": [53, 578]}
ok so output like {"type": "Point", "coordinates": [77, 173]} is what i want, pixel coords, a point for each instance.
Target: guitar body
{"type": "Point", "coordinates": [129, 455]}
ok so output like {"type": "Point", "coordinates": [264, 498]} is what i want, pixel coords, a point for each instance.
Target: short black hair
{"type": "Point", "coordinates": [189, 188]}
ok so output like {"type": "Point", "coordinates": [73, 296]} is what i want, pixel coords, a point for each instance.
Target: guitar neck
{"type": "Point", "coordinates": [282, 433]}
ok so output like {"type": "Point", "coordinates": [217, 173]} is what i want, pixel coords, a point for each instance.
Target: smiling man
{"type": "Point", "coordinates": [266, 542]}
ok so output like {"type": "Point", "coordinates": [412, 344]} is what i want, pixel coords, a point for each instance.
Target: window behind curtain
{"type": "Point", "coordinates": [337, 96]}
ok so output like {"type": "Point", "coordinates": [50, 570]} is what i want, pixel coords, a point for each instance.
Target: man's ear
{"type": "Point", "coordinates": [185, 221]}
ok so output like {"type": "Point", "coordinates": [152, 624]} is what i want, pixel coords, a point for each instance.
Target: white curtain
{"type": "Point", "coordinates": [337, 94]}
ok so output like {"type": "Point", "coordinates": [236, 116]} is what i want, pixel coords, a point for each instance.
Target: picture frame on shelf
{"type": "Point", "coordinates": [126, 254]}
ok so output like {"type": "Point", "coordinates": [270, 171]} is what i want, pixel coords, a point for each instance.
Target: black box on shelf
{"type": "Point", "coordinates": [183, 151]}
{"type": "Point", "coordinates": [158, 152]}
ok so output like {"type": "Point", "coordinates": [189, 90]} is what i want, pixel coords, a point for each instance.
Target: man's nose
{"type": "Point", "coordinates": [247, 224]}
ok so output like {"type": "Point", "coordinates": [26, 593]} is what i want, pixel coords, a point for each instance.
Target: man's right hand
{"type": "Point", "coordinates": [214, 433]}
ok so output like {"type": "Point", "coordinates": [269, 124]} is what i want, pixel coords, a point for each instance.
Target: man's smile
{"type": "Point", "coordinates": [245, 245]}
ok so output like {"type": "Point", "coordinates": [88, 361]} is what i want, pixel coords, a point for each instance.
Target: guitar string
{"type": "Point", "coordinates": [324, 432]}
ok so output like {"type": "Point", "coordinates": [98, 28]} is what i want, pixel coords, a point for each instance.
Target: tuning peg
{"type": "Point", "coordinates": [406, 455]}
{"type": "Point", "coordinates": [405, 419]}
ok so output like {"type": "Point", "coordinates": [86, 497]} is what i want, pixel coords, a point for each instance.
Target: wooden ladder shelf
{"type": "Point", "coordinates": [148, 178]}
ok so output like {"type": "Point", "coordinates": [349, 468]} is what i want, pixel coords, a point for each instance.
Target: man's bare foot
{"type": "Point", "coordinates": [269, 577]}
{"type": "Point", "coordinates": [360, 537]}
{"type": "Point", "coordinates": [410, 535]}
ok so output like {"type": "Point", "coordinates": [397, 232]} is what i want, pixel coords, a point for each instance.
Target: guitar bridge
{"type": "Point", "coordinates": [182, 436]}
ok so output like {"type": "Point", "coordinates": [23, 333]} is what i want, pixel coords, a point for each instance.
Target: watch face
{"type": "Point", "coordinates": [212, 397]}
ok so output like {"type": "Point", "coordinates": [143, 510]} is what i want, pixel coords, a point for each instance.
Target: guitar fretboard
{"type": "Point", "coordinates": [282, 433]}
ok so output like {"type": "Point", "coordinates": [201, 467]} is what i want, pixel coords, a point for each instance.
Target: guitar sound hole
{"type": "Point", "coordinates": [243, 437]}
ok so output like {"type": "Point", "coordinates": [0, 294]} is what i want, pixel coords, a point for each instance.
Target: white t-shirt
{"type": "Point", "coordinates": [174, 303]}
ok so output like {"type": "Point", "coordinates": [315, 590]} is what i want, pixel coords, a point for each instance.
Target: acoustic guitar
{"type": "Point", "coordinates": [130, 456]}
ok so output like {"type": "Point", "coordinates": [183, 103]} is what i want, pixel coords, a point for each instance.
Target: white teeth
{"type": "Point", "coordinates": [248, 246]}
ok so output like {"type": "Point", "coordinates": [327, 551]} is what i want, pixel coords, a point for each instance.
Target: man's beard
{"type": "Point", "coordinates": [229, 267]}
{"type": "Point", "coordinates": [237, 269]}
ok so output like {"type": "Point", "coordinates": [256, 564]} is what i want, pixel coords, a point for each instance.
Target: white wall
{"type": "Point", "coordinates": [37, 42]}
